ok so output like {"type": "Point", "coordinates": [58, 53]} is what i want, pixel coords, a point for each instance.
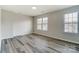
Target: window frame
{"type": "Point", "coordinates": [39, 24]}
{"type": "Point", "coordinates": [43, 23]}
{"type": "Point", "coordinates": [73, 23]}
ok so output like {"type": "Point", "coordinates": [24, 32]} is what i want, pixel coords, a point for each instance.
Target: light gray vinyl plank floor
{"type": "Point", "coordinates": [37, 44]}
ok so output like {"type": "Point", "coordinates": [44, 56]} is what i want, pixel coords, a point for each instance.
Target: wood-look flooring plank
{"type": "Point", "coordinates": [36, 44]}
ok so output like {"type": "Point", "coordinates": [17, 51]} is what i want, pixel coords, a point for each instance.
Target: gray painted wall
{"type": "Point", "coordinates": [56, 25]}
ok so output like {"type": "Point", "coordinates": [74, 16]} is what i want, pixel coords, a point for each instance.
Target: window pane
{"type": "Point", "coordinates": [66, 20]}
{"type": "Point", "coordinates": [66, 28]}
{"type": "Point", "coordinates": [70, 19]}
{"type": "Point", "coordinates": [75, 14]}
{"type": "Point", "coordinates": [75, 19]}
{"type": "Point", "coordinates": [66, 16]}
{"type": "Point", "coordinates": [75, 28]}
{"type": "Point", "coordinates": [39, 27]}
{"type": "Point", "coordinates": [45, 27]}
{"type": "Point", "coordinates": [70, 15]}
{"type": "Point", "coordinates": [70, 28]}
{"type": "Point", "coordinates": [39, 21]}
{"type": "Point", "coordinates": [45, 20]}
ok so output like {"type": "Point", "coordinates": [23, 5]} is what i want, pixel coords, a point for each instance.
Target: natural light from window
{"type": "Point", "coordinates": [71, 22]}
{"type": "Point", "coordinates": [42, 24]}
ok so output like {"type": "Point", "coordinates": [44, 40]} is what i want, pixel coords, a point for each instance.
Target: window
{"type": "Point", "coordinates": [39, 24]}
{"type": "Point", "coordinates": [45, 23]}
{"type": "Point", "coordinates": [42, 24]}
{"type": "Point", "coordinates": [71, 22]}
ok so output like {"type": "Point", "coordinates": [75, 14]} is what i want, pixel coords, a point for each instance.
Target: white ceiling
{"type": "Point", "coordinates": [27, 9]}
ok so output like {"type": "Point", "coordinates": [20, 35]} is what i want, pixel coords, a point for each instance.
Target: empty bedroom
{"type": "Point", "coordinates": [39, 28]}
